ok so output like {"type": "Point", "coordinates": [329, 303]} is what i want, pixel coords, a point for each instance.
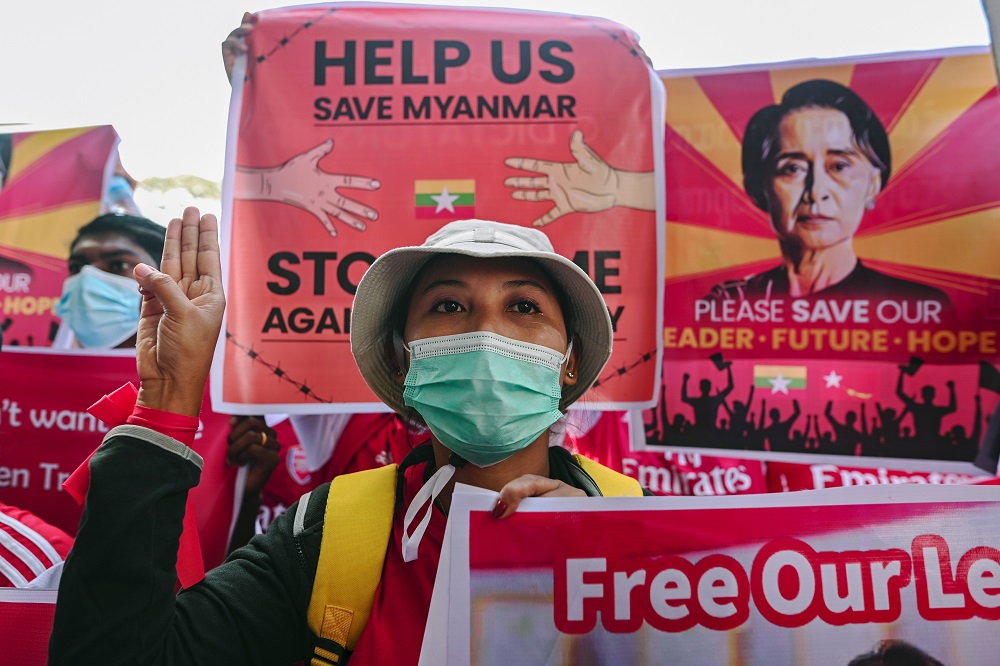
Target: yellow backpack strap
{"type": "Point", "coordinates": [611, 483]}
{"type": "Point", "coordinates": [356, 531]}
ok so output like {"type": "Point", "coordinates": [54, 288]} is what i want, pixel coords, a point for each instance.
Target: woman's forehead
{"type": "Point", "coordinates": [468, 269]}
{"type": "Point", "coordinates": [814, 127]}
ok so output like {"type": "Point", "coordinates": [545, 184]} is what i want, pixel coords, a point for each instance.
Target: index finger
{"type": "Point", "coordinates": [359, 182]}
{"type": "Point", "coordinates": [530, 164]}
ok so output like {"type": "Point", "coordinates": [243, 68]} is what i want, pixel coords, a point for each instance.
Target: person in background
{"type": "Point", "coordinates": [99, 306]}
{"type": "Point", "coordinates": [119, 195]}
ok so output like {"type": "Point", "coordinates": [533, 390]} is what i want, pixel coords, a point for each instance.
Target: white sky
{"type": "Point", "coordinates": [153, 69]}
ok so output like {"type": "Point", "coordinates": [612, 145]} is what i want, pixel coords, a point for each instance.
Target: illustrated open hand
{"type": "Point", "coordinates": [587, 185]}
{"type": "Point", "coordinates": [300, 182]}
{"type": "Point", "coordinates": [181, 315]}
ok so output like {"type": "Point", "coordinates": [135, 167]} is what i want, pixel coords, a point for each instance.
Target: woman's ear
{"type": "Point", "coordinates": [395, 356]}
{"type": "Point", "coordinates": [876, 184]}
{"type": "Point", "coordinates": [569, 372]}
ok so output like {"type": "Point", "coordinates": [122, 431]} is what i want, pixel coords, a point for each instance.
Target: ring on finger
{"type": "Point", "coordinates": [263, 438]}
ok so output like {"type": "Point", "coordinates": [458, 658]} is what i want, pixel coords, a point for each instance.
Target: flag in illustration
{"type": "Point", "coordinates": [444, 199]}
{"type": "Point", "coordinates": [779, 378]}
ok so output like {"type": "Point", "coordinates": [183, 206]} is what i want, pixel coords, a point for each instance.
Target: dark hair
{"type": "Point", "coordinates": [895, 653]}
{"type": "Point", "coordinates": [761, 145]}
{"type": "Point", "coordinates": [147, 234]}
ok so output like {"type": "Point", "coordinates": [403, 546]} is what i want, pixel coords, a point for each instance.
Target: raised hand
{"type": "Point", "coordinates": [236, 44]}
{"type": "Point", "coordinates": [181, 316]}
{"type": "Point", "coordinates": [300, 182]}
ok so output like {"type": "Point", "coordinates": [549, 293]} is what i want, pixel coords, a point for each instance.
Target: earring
{"type": "Point", "coordinates": [570, 375]}
{"type": "Point", "coordinates": [870, 204]}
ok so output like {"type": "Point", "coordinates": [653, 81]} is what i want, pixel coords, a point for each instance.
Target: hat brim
{"type": "Point", "coordinates": [388, 279]}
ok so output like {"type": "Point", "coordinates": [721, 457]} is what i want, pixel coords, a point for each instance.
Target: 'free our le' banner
{"type": "Point", "coordinates": [365, 128]}
{"type": "Point", "coordinates": [831, 287]}
{"type": "Point", "coordinates": [813, 578]}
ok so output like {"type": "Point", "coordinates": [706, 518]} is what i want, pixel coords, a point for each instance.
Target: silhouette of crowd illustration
{"type": "Point", "coordinates": [912, 429]}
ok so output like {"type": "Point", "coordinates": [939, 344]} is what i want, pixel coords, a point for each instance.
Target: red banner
{"type": "Point", "coordinates": [798, 578]}
{"type": "Point", "coordinates": [828, 242]}
{"type": "Point", "coordinates": [46, 432]}
{"type": "Point", "coordinates": [51, 184]}
{"type": "Point", "coordinates": [785, 477]}
{"type": "Point", "coordinates": [359, 129]}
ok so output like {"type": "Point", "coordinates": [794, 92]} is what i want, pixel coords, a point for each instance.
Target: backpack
{"type": "Point", "coordinates": [352, 552]}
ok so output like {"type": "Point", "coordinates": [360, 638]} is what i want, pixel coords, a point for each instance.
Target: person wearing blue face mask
{"type": "Point", "coordinates": [484, 333]}
{"type": "Point", "coordinates": [100, 302]}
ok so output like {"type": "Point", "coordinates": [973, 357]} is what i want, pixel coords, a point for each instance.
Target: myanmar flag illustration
{"type": "Point", "coordinates": [444, 199]}
{"type": "Point", "coordinates": [779, 378]}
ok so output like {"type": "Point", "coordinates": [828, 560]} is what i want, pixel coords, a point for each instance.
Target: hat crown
{"type": "Point", "coordinates": [503, 236]}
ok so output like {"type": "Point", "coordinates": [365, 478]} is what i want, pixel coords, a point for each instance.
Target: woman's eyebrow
{"type": "Point", "coordinates": [849, 151]}
{"type": "Point", "coordinates": [517, 284]}
{"type": "Point", "coordinates": [445, 283]}
{"type": "Point", "coordinates": [103, 256]}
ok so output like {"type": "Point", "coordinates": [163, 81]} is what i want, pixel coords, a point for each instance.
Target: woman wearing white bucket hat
{"type": "Point", "coordinates": [483, 333]}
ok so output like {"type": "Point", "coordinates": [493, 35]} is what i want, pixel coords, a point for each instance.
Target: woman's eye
{"type": "Point", "coordinates": [120, 266]}
{"type": "Point", "coordinates": [526, 307]}
{"type": "Point", "coordinates": [839, 166]}
{"type": "Point", "coordinates": [448, 306]}
{"type": "Point", "coordinates": [790, 169]}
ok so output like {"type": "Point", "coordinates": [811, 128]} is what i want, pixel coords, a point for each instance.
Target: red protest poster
{"type": "Point", "coordinates": [608, 441]}
{"type": "Point", "coordinates": [786, 476]}
{"type": "Point", "coordinates": [46, 433]}
{"type": "Point", "coordinates": [830, 285]}
{"type": "Point", "coordinates": [361, 128]}
{"type": "Point", "coordinates": [51, 183]}
{"type": "Point", "coordinates": [813, 578]}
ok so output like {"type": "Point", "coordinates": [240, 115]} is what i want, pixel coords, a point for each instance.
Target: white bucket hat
{"type": "Point", "coordinates": [392, 274]}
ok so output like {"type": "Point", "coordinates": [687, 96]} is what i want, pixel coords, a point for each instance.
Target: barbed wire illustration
{"type": "Point", "coordinates": [275, 369]}
{"type": "Point", "coordinates": [625, 369]}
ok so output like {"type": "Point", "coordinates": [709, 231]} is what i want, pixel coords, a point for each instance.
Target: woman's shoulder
{"type": "Point", "coordinates": [874, 283]}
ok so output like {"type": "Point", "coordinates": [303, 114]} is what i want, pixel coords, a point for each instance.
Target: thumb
{"type": "Point", "coordinates": [582, 153]}
{"type": "Point", "coordinates": [320, 151]}
{"type": "Point", "coordinates": [163, 287]}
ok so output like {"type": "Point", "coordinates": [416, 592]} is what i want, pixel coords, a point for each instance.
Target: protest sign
{"type": "Point", "coordinates": [51, 184]}
{"type": "Point", "coordinates": [829, 238]}
{"type": "Point", "coordinates": [796, 578]}
{"type": "Point", "coordinates": [46, 432]}
{"type": "Point", "coordinates": [608, 441]}
{"type": "Point", "coordinates": [361, 128]}
{"type": "Point", "coordinates": [786, 476]}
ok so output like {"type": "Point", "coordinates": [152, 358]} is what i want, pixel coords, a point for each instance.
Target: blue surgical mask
{"type": "Point", "coordinates": [482, 395]}
{"type": "Point", "coordinates": [101, 308]}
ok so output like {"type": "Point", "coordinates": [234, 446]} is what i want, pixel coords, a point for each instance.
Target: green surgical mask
{"type": "Point", "coordinates": [482, 395]}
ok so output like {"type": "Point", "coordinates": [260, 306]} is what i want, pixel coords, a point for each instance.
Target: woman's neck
{"type": "Point", "coordinates": [811, 271]}
{"type": "Point", "coordinates": [533, 459]}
